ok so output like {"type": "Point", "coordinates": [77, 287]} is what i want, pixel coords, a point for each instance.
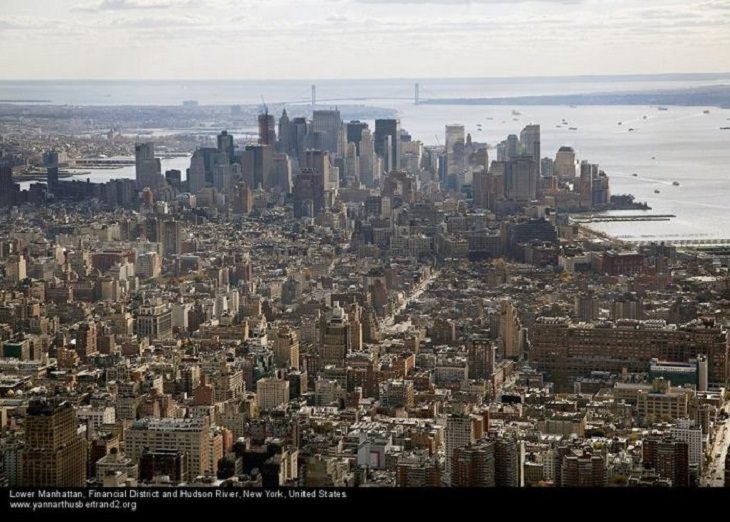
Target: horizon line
{"type": "Point", "coordinates": [409, 78]}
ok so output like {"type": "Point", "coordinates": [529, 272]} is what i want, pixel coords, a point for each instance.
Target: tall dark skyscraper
{"type": "Point", "coordinates": [354, 133]}
{"type": "Point", "coordinates": [148, 171]}
{"type": "Point", "coordinates": [8, 189]}
{"type": "Point", "coordinates": [387, 142]}
{"type": "Point", "coordinates": [225, 145]}
{"type": "Point", "coordinates": [267, 129]}
{"type": "Point", "coordinates": [55, 454]}
{"type": "Point", "coordinates": [257, 165]}
{"type": "Point", "coordinates": [50, 161]}
{"type": "Point", "coordinates": [285, 131]}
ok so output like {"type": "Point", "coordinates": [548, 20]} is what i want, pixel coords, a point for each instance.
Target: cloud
{"type": "Point", "coordinates": [453, 2]}
{"type": "Point", "coordinates": [123, 5]}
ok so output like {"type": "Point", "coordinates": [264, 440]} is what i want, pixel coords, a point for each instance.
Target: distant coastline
{"type": "Point", "coordinates": [712, 96]}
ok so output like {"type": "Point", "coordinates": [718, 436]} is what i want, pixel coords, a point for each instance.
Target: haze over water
{"type": "Point", "coordinates": [686, 143]}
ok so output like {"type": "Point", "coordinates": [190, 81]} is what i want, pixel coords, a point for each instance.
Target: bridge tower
{"type": "Point", "coordinates": [314, 95]}
{"type": "Point", "coordinates": [417, 94]}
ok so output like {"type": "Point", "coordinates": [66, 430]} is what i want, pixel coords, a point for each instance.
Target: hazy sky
{"type": "Point", "coordinates": [207, 39]}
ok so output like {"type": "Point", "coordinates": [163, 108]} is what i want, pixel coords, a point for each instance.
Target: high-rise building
{"type": "Point", "coordinates": [55, 453]}
{"type": "Point", "coordinates": [328, 131]}
{"type": "Point", "coordinates": [586, 470]}
{"type": "Point", "coordinates": [50, 162]}
{"type": "Point", "coordinates": [511, 331]}
{"type": "Point", "coordinates": [188, 436]}
{"type": "Point", "coordinates": [285, 135]}
{"type": "Point", "coordinates": [474, 466]}
{"type": "Point", "coordinates": [282, 172]}
{"type": "Point", "coordinates": [172, 236]}
{"type": "Point", "coordinates": [685, 430]}
{"type": "Point", "coordinates": [369, 171]}
{"type": "Point", "coordinates": [507, 462]}
{"type": "Point", "coordinates": [387, 142]}
{"type": "Point", "coordinates": [148, 171]}
{"type": "Point", "coordinates": [298, 142]}
{"type": "Point", "coordinates": [459, 434]}
{"type": "Point", "coordinates": [354, 132]}
{"type": "Point", "coordinates": [271, 392]}
{"type": "Point", "coordinates": [225, 147]}
{"type": "Point", "coordinates": [257, 166]}
{"type": "Point", "coordinates": [668, 457]}
{"type": "Point", "coordinates": [155, 321]}
{"type": "Point", "coordinates": [530, 144]}
{"type": "Point", "coordinates": [309, 191]}
{"type": "Point", "coordinates": [8, 188]}
{"type": "Point", "coordinates": [565, 167]}
{"type": "Point", "coordinates": [319, 161]}
{"type": "Point", "coordinates": [481, 358]}
{"type": "Point", "coordinates": [454, 145]}
{"type": "Point", "coordinates": [286, 348]}
{"type": "Point", "coordinates": [267, 129]}
{"type": "Point", "coordinates": [522, 182]}
{"type": "Point", "coordinates": [196, 172]}
{"type": "Point", "coordinates": [335, 337]}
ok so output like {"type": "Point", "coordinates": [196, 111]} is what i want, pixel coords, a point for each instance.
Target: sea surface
{"type": "Point", "coordinates": [682, 144]}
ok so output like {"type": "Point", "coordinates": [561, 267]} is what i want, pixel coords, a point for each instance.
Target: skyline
{"type": "Point", "coordinates": [359, 39]}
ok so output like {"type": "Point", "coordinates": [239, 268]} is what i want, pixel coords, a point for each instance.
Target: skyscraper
{"type": "Point", "coordinates": [319, 161]}
{"type": "Point", "coordinates": [267, 129]}
{"type": "Point", "coordinates": [530, 143]}
{"type": "Point", "coordinates": [55, 454]}
{"type": "Point", "coordinates": [282, 173]}
{"type": "Point", "coordinates": [329, 134]}
{"type": "Point", "coordinates": [459, 434]}
{"type": "Point", "coordinates": [8, 188]}
{"type": "Point", "coordinates": [225, 145]}
{"type": "Point", "coordinates": [196, 172]}
{"type": "Point", "coordinates": [523, 186]}
{"type": "Point", "coordinates": [387, 142]}
{"type": "Point", "coordinates": [148, 172]}
{"type": "Point", "coordinates": [369, 174]}
{"type": "Point", "coordinates": [354, 132]}
{"type": "Point", "coordinates": [257, 166]}
{"type": "Point", "coordinates": [285, 135]}
{"type": "Point", "coordinates": [50, 161]}
{"type": "Point", "coordinates": [335, 334]}
{"type": "Point", "coordinates": [455, 157]}
{"type": "Point", "coordinates": [565, 166]}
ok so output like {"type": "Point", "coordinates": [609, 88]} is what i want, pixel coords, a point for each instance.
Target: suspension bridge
{"type": "Point", "coordinates": [313, 96]}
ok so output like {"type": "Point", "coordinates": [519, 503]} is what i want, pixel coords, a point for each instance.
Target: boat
{"type": "Point", "coordinates": [644, 117]}
{"type": "Point", "coordinates": [559, 126]}
{"type": "Point", "coordinates": [706, 111]}
{"type": "Point", "coordinates": [632, 129]}
{"type": "Point", "coordinates": [620, 123]}
{"type": "Point", "coordinates": [634, 174]}
{"type": "Point", "coordinates": [656, 191]}
{"type": "Point", "coordinates": [489, 118]}
{"type": "Point", "coordinates": [653, 157]}
{"type": "Point", "coordinates": [662, 108]}
{"type": "Point", "coordinates": [516, 113]}
{"type": "Point", "coordinates": [724, 128]}
{"type": "Point", "coordinates": [675, 183]}
{"type": "Point", "coordinates": [572, 128]}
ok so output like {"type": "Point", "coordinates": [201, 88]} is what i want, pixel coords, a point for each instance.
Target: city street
{"type": "Point", "coordinates": [714, 475]}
